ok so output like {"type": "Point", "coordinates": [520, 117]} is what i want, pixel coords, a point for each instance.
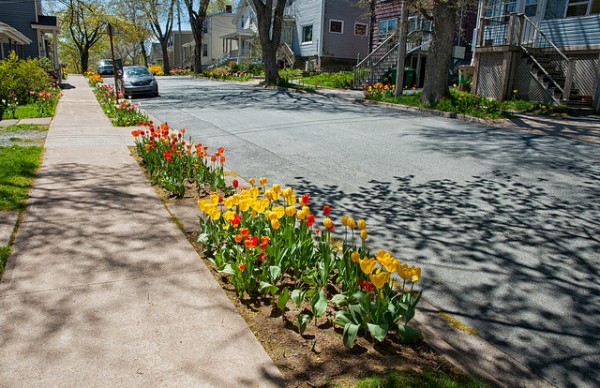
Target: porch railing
{"type": "Point", "coordinates": [518, 30]}
{"type": "Point", "coordinates": [375, 65]}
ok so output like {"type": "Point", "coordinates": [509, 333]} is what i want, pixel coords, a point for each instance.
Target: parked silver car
{"type": "Point", "coordinates": [138, 80]}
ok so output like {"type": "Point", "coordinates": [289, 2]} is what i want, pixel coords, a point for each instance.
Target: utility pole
{"type": "Point", "coordinates": [402, 33]}
{"type": "Point", "coordinates": [180, 37]}
{"type": "Point", "coordinates": [114, 64]}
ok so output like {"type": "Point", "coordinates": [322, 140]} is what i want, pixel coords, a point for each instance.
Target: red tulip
{"type": "Point", "coordinates": [235, 183]}
{"type": "Point", "coordinates": [326, 210]}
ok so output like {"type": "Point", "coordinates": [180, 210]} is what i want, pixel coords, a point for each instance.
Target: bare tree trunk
{"type": "Point", "coordinates": [197, 49]}
{"type": "Point", "coordinates": [144, 53]}
{"type": "Point", "coordinates": [85, 58]}
{"type": "Point", "coordinates": [440, 53]}
{"type": "Point", "coordinates": [270, 21]}
{"type": "Point", "coordinates": [197, 20]}
{"type": "Point", "coordinates": [165, 55]}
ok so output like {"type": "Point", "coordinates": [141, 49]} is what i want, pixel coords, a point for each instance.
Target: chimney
{"type": "Point", "coordinates": [228, 9]}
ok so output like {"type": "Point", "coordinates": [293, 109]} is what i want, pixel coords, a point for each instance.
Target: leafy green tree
{"type": "Point", "coordinates": [85, 23]}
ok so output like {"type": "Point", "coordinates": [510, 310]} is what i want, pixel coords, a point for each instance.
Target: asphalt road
{"type": "Point", "coordinates": [505, 224]}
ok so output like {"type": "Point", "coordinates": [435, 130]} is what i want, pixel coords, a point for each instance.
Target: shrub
{"type": "Point", "coordinates": [19, 77]}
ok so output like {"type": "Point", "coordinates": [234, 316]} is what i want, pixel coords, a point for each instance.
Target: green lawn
{"type": "Point", "coordinates": [18, 166]}
{"type": "Point", "coordinates": [24, 127]}
{"type": "Point", "coordinates": [425, 379]}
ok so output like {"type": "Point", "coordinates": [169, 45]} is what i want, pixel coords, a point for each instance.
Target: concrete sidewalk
{"type": "Point", "coordinates": [102, 288]}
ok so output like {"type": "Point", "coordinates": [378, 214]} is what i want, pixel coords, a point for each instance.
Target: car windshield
{"type": "Point", "coordinates": [105, 62]}
{"type": "Point", "coordinates": [136, 71]}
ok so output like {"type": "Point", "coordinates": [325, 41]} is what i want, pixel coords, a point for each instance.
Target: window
{"type": "Point", "coordinates": [205, 27]}
{"type": "Point", "coordinates": [307, 32]}
{"type": "Point", "coordinates": [582, 7]}
{"type": "Point", "coordinates": [336, 26]}
{"type": "Point", "coordinates": [360, 29]}
{"type": "Point", "coordinates": [386, 28]}
{"type": "Point", "coordinates": [204, 50]}
{"type": "Point", "coordinates": [555, 9]}
{"type": "Point", "coordinates": [531, 8]}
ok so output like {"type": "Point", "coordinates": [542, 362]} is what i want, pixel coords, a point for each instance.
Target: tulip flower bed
{"type": "Point", "coordinates": [265, 239]}
{"type": "Point", "coordinates": [174, 163]}
{"type": "Point", "coordinates": [124, 112]}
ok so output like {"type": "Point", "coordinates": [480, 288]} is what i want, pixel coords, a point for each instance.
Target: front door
{"type": "Point", "coordinates": [533, 10]}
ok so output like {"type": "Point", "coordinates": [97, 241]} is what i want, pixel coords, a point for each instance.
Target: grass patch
{"type": "Point", "coordinates": [24, 127]}
{"type": "Point", "coordinates": [425, 379]}
{"type": "Point", "coordinates": [339, 80]}
{"type": "Point", "coordinates": [4, 253]}
{"type": "Point", "coordinates": [18, 166]}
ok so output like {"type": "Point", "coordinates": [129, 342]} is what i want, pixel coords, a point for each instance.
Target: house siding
{"type": "Point", "coordinates": [20, 16]}
{"type": "Point", "coordinates": [306, 12]}
{"type": "Point", "coordinates": [385, 10]}
{"type": "Point", "coordinates": [345, 45]}
{"type": "Point", "coordinates": [575, 31]}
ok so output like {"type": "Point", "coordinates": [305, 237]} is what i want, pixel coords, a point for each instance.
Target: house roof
{"type": "Point", "coordinates": [10, 33]}
{"type": "Point", "coordinates": [248, 32]}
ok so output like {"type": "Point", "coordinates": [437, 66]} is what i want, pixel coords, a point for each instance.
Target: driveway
{"type": "Point", "coordinates": [505, 224]}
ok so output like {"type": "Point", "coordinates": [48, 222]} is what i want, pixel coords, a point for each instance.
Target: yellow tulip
{"type": "Point", "coordinates": [416, 274]}
{"type": "Point", "coordinates": [345, 220]}
{"type": "Point", "coordinates": [290, 211]}
{"type": "Point", "coordinates": [327, 222]}
{"type": "Point", "coordinates": [251, 181]}
{"type": "Point", "coordinates": [279, 212]}
{"type": "Point", "coordinates": [367, 265]}
{"type": "Point", "coordinates": [214, 198]}
{"type": "Point", "coordinates": [228, 202]}
{"type": "Point", "coordinates": [229, 215]}
{"type": "Point", "coordinates": [355, 256]}
{"type": "Point", "coordinates": [270, 195]}
{"type": "Point", "coordinates": [275, 224]}
{"type": "Point", "coordinates": [277, 189]}
{"type": "Point", "coordinates": [379, 279]}
{"type": "Point", "coordinates": [404, 271]}
{"type": "Point", "coordinates": [291, 200]}
{"type": "Point", "coordinates": [215, 214]}
{"type": "Point", "coordinates": [244, 205]}
{"type": "Point", "coordinates": [263, 181]}
{"type": "Point", "coordinates": [351, 223]}
{"type": "Point", "coordinates": [287, 192]}
{"type": "Point", "coordinates": [363, 234]}
{"type": "Point", "coordinates": [253, 192]}
{"type": "Point", "coordinates": [362, 224]}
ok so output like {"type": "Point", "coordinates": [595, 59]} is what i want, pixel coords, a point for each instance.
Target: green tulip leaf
{"type": "Point", "coordinates": [341, 318]}
{"type": "Point", "coordinates": [350, 332]}
{"type": "Point", "coordinates": [298, 296]}
{"type": "Point", "coordinates": [303, 319]}
{"type": "Point", "coordinates": [319, 303]}
{"type": "Point", "coordinates": [339, 300]}
{"type": "Point", "coordinates": [379, 332]}
{"type": "Point", "coordinates": [204, 238]}
{"type": "Point", "coordinates": [228, 269]}
{"type": "Point", "coordinates": [275, 272]}
{"type": "Point", "coordinates": [268, 288]}
{"type": "Point", "coordinates": [408, 334]}
{"type": "Point", "coordinates": [284, 297]}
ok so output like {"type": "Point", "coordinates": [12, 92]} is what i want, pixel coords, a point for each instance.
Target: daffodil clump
{"type": "Point", "coordinates": [266, 238]}
{"type": "Point", "coordinates": [172, 162]}
{"type": "Point", "coordinates": [379, 91]}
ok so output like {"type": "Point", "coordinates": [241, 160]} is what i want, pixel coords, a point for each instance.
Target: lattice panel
{"type": "Point", "coordinates": [586, 74]}
{"type": "Point", "coordinates": [489, 78]}
{"type": "Point", "coordinates": [526, 85]}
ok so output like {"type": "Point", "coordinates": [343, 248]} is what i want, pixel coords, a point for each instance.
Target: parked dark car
{"type": "Point", "coordinates": [138, 80]}
{"type": "Point", "coordinates": [104, 67]}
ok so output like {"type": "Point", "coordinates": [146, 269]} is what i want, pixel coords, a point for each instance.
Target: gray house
{"type": "Point", "coordinates": [26, 30]}
{"type": "Point", "coordinates": [544, 50]}
{"type": "Point", "coordinates": [329, 34]}
{"type": "Point", "coordinates": [316, 34]}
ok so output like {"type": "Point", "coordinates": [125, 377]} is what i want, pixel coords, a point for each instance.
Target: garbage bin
{"type": "Point", "coordinates": [409, 77]}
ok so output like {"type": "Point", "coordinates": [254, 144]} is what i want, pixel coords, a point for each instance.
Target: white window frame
{"type": "Point", "coordinates": [387, 28]}
{"type": "Point", "coordinates": [589, 4]}
{"type": "Point", "coordinates": [311, 33]}
{"type": "Point", "coordinates": [362, 24]}
{"type": "Point", "coordinates": [331, 21]}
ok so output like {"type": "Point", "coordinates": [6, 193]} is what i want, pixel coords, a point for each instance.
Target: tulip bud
{"type": "Point", "coordinates": [263, 181]}
{"type": "Point", "coordinates": [363, 234]}
{"type": "Point", "coordinates": [362, 224]}
{"type": "Point", "coordinates": [345, 220]}
{"type": "Point", "coordinates": [251, 181]}
{"type": "Point", "coordinates": [235, 183]}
